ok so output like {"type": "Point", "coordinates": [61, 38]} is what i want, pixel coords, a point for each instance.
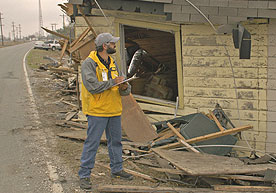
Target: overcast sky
{"type": "Point", "coordinates": [25, 13]}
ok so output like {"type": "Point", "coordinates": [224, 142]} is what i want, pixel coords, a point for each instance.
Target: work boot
{"type": "Point", "coordinates": [122, 174]}
{"type": "Point", "coordinates": [85, 183]}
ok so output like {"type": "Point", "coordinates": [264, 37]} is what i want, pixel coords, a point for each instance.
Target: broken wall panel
{"type": "Point", "coordinates": [271, 92]}
{"type": "Point", "coordinates": [207, 61]}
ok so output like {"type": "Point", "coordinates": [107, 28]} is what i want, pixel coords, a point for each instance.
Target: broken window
{"type": "Point", "coordinates": [150, 55]}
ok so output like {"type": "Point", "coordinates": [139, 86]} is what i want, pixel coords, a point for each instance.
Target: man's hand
{"type": "Point", "coordinates": [123, 86]}
{"type": "Point", "coordinates": [119, 79]}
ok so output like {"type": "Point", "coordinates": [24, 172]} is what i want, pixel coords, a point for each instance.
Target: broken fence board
{"type": "Point", "coordinates": [201, 164]}
{"type": "Point", "coordinates": [135, 124]}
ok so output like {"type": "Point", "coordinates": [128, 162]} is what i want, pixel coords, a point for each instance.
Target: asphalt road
{"type": "Point", "coordinates": [22, 166]}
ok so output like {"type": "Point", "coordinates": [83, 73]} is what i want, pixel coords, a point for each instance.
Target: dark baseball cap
{"type": "Point", "coordinates": [104, 38]}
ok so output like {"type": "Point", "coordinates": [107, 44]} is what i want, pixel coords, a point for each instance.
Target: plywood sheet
{"type": "Point", "coordinates": [206, 164]}
{"type": "Point", "coordinates": [135, 124]}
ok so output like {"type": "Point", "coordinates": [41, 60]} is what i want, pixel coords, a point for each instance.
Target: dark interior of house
{"type": "Point", "coordinates": [150, 55]}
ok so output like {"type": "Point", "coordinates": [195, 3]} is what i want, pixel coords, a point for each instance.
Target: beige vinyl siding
{"type": "Point", "coordinates": [208, 77]}
{"type": "Point", "coordinates": [271, 90]}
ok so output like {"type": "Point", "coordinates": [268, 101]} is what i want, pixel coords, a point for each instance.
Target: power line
{"type": "Point", "coordinates": [2, 36]}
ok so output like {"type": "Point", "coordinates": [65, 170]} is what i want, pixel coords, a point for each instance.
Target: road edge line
{"type": "Point", "coordinates": [56, 186]}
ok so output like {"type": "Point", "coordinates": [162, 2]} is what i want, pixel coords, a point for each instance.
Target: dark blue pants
{"type": "Point", "coordinates": [96, 127]}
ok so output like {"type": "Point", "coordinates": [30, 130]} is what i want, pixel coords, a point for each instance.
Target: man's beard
{"type": "Point", "coordinates": [110, 50]}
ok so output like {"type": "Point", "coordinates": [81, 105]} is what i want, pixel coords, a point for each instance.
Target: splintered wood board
{"type": "Point", "coordinates": [200, 164]}
{"type": "Point", "coordinates": [135, 124]}
{"type": "Point", "coordinates": [144, 189]}
{"type": "Point", "coordinates": [78, 135]}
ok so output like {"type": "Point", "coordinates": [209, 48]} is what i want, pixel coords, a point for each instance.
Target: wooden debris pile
{"type": "Point", "coordinates": [190, 168]}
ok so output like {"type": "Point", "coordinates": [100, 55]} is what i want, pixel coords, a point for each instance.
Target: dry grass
{"type": "Point", "coordinates": [11, 43]}
{"type": "Point", "coordinates": [35, 57]}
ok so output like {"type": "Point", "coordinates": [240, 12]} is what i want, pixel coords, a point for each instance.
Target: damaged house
{"type": "Point", "coordinates": [187, 64]}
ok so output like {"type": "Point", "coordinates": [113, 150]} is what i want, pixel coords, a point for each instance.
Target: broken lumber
{"type": "Point", "coordinates": [81, 43]}
{"type": "Point", "coordinates": [170, 171]}
{"type": "Point", "coordinates": [144, 176]}
{"type": "Point", "coordinates": [243, 188]}
{"type": "Point", "coordinates": [144, 189]}
{"type": "Point", "coordinates": [70, 115]}
{"type": "Point", "coordinates": [63, 70]}
{"type": "Point", "coordinates": [87, 22]}
{"type": "Point", "coordinates": [68, 103]}
{"type": "Point", "coordinates": [209, 136]}
{"type": "Point", "coordinates": [64, 47]}
{"type": "Point", "coordinates": [202, 164]}
{"type": "Point", "coordinates": [182, 139]}
{"type": "Point", "coordinates": [216, 121]}
{"type": "Point", "coordinates": [55, 33]}
{"type": "Point", "coordinates": [165, 164]}
{"type": "Point", "coordinates": [239, 177]}
{"type": "Point", "coordinates": [72, 123]}
{"type": "Point", "coordinates": [83, 34]}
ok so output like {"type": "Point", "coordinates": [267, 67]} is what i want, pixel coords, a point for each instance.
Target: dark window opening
{"type": "Point", "coordinates": [150, 55]}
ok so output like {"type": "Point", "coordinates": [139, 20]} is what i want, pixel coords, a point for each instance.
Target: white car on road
{"type": "Point", "coordinates": [51, 44]}
{"type": "Point", "coordinates": [38, 45]}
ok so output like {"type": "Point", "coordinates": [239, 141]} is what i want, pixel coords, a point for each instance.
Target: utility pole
{"type": "Point", "coordinates": [16, 33]}
{"type": "Point", "coordinates": [54, 28]}
{"type": "Point", "coordinates": [40, 30]}
{"type": "Point", "coordinates": [63, 22]}
{"type": "Point", "coordinates": [19, 31]}
{"type": "Point", "coordinates": [1, 25]}
{"type": "Point", "coordinates": [13, 31]}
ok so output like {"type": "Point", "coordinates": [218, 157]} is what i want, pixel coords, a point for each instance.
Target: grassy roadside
{"type": "Point", "coordinates": [35, 57]}
{"type": "Point", "coordinates": [11, 43]}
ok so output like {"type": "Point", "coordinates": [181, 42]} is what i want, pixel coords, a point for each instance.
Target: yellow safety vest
{"type": "Point", "coordinates": [105, 104]}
